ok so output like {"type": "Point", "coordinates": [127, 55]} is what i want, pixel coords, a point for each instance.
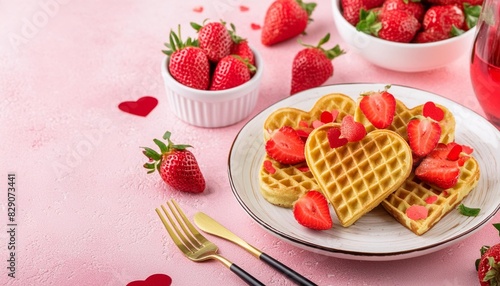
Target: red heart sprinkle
{"type": "Point", "coordinates": [351, 130]}
{"type": "Point", "coordinates": [416, 212]}
{"type": "Point", "coordinates": [268, 165]}
{"type": "Point", "coordinates": [431, 199]}
{"type": "Point", "coordinates": [198, 9]}
{"type": "Point", "coordinates": [334, 139]}
{"type": "Point", "coordinates": [244, 8]}
{"type": "Point", "coordinates": [326, 117]}
{"type": "Point", "coordinates": [431, 110]}
{"type": "Point", "coordinates": [255, 26]}
{"type": "Point", "coordinates": [454, 153]}
{"type": "Point", "coordinates": [142, 107]}
{"type": "Point", "coordinates": [153, 280]}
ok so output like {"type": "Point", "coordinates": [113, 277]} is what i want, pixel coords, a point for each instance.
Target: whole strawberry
{"type": "Point", "coordinates": [488, 266]}
{"type": "Point", "coordinates": [240, 47]}
{"type": "Point", "coordinates": [177, 166]}
{"type": "Point", "coordinates": [351, 8]}
{"type": "Point", "coordinates": [416, 8]}
{"type": "Point", "coordinates": [393, 25]}
{"type": "Point", "coordinates": [214, 39]}
{"type": "Point", "coordinates": [231, 71]}
{"type": "Point", "coordinates": [188, 64]}
{"type": "Point", "coordinates": [442, 20]}
{"type": "Point", "coordinates": [313, 66]}
{"type": "Point", "coordinates": [285, 19]}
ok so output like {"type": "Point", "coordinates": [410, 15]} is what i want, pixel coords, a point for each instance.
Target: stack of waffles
{"type": "Point", "coordinates": [378, 169]}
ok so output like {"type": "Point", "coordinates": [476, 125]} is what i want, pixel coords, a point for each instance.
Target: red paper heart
{"type": "Point", "coordinates": [198, 9]}
{"type": "Point", "coordinates": [153, 280]}
{"type": "Point", "coordinates": [255, 26]}
{"type": "Point", "coordinates": [142, 107]}
{"type": "Point", "coordinates": [334, 139]}
{"type": "Point", "coordinates": [431, 110]}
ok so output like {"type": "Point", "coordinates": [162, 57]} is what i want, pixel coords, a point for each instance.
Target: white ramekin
{"type": "Point", "coordinates": [205, 108]}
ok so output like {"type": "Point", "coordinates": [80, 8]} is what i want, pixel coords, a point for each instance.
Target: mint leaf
{"type": "Point", "coordinates": [466, 211]}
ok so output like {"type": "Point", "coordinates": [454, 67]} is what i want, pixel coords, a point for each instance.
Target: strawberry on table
{"type": "Point", "coordinates": [311, 210]}
{"type": "Point", "coordinates": [313, 66]}
{"type": "Point", "coordinates": [231, 71]}
{"type": "Point", "coordinates": [177, 165]}
{"type": "Point", "coordinates": [285, 19]}
{"type": "Point", "coordinates": [423, 135]}
{"type": "Point", "coordinates": [214, 39]}
{"type": "Point", "coordinates": [378, 107]}
{"type": "Point", "coordinates": [488, 266]}
{"type": "Point", "coordinates": [286, 146]}
{"type": "Point", "coordinates": [188, 64]}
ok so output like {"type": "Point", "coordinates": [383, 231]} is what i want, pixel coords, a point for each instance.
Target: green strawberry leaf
{"type": "Point", "coordinates": [163, 146]}
{"type": "Point", "coordinates": [471, 14]}
{"type": "Point", "coordinates": [151, 154]}
{"type": "Point", "coordinates": [466, 211]}
{"type": "Point", "coordinates": [368, 23]}
{"type": "Point", "coordinates": [497, 226]}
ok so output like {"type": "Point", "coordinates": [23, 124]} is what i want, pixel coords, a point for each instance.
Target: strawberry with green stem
{"type": "Point", "coordinates": [177, 165]}
{"type": "Point", "coordinates": [313, 66]}
{"type": "Point", "coordinates": [488, 266]}
{"type": "Point", "coordinates": [215, 39]}
{"type": "Point", "coordinates": [188, 64]}
{"type": "Point", "coordinates": [284, 20]}
{"type": "Point", "coordinates": [393, 25]}
{"type": "Point", "coordinates": [240, 46]}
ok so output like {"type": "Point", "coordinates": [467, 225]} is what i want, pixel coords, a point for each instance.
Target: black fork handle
{"type": "Point", "coordinates": [245, 276]}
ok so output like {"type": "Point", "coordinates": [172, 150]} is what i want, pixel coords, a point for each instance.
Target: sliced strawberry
{"type": "Point", "coordinates": [378, 108]}
{"type": "Point", "coordinates": [440, 172]}
{"type": "Point", "coordinates": [351, 130]}
{"type": "Point", "coordinates": [423, 135]}
{"type": "Point", "coordinates": [286, 146]}
{"type": "Point", "coordinates": [431, 110]}
{"type": "Point", "coordinates": [312, 211]}
{"type": "Point", "coordinates": [454, 153]}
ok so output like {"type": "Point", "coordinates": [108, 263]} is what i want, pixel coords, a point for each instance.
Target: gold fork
{"type": "Point", "coordinates": [194, 245]}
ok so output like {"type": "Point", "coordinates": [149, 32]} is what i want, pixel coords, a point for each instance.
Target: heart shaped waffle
{"type": "Point", "coordinates": [403, 114]}
{"type": "Point", "coordinates": [415, 192]}
{"type": "Point", "coordinates": [357, 176]}
{"type": "Point", "coordinates": [289, 116]}
{"type": "Point", "coordinates": [289, 182]}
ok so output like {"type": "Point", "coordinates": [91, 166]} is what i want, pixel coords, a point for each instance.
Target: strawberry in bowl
{"type": "Point", "coordinates": [211, 97]}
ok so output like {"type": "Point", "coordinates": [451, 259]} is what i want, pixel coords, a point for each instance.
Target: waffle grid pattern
{"type": "Point", "coordinates": [286, 185]}
{"type": "Point", "coordinates": [416, 192]}
{"type": "Point", "coordinates": [358, 176]}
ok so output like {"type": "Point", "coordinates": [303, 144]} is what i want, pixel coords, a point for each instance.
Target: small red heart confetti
{"type": "Point", "coordinates": [333, 135]}
{"type": "Point", "coordinates": [431, 199]}
{"type": "Point", "coordinates": [326, 117]}
{"type": "Point", "coordinates": [416, 212]}
{"type": "Point", "coordinates": [431, 110]}
{"type": "Point", "coordinates": [244, 8]}
{"type": "Point", "coordinates": [142, 107]}
{"type": "Point", "coordinates": [198, 9]}
{"type": "Point", "coordinates": [317, 123]}
{"type": "Point", "coordinates": [255, 26]}
{"type": "Point", "coordinates": [454, 153]}
{"type": "Point", "coordinates": [268, 165]}
{"type": "Point", "coordinates": [351, 130]}
{"type": "Point", "coordinates": [153, 280]}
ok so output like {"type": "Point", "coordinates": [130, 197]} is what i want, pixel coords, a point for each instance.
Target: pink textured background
{"type": "Point", "coordinates": [85, 205]}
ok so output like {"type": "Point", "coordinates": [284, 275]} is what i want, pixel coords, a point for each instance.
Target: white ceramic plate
{"type": "Point", "coordinates": [376, 236]}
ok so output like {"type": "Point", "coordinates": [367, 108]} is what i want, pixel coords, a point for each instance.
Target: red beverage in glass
{"type": "Point", "coordinates": [485, 71]}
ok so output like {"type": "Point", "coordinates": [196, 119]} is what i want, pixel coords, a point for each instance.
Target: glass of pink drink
{"type": "Point", "coordinates": [485, 61]}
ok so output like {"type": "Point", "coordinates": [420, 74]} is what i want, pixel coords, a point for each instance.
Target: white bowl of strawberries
{"type": "Point", "coordinates": [212, 81]}
{"type": "Point", "coordinates": [407, 36]}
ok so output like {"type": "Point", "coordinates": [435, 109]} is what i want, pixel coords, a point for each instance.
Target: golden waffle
{"type": "Point", "coordinates": [289, 116]}
{"type": "Point", "coordinates": [416, 192]}
{"type": "Point", "coordinates": [287, 184]}
{"type": "Point", "coordinates": [403, 114]}
{"type": "Point", "coordinates": [356, 177]}
{"type": "Point", "coordinates": [290, 182]}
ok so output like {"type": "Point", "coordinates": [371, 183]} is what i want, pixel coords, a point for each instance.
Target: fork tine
{"type": "Point", "coordinates": [174, 232]}
{"type": "Point", "coordinates": [197, 235]}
